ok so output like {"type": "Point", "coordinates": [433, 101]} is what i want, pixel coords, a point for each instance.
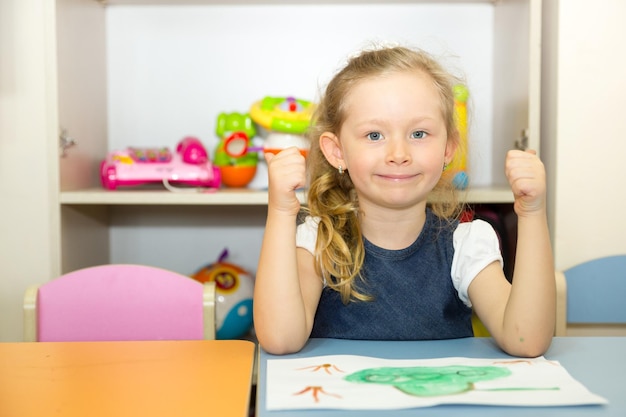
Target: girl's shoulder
{"type": "Point", "coordinates": [475, 239]}
{"type": "Point", "coordinates": [476, 245]}
{"type": "Point", "coordinates": [474, 229]}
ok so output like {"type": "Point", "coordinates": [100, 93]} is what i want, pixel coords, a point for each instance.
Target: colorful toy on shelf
{"type": "Point", "coordinates": [188, 165]}
{"type": "Point", "coordinates": [285, 119]}
{"type": "Point", "coordinates": [238, 144]}
{"type": "Point", "coordinates": [283, 114]}
{"type": "Point", "coordinates": [277, 141]}
{"type": "Point", "coordinates": [458, 166]}
{"type": "Point", "coordinates": [234, 291]}
{"type": "Point", "coordinates": [237, 168]}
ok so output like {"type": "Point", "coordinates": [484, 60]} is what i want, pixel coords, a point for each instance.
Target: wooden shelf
{"type": "Point", "coordinates": [98, 196]}
{"type": "Point", "coordinates": [225, 197]}
{"type": "Point", "coordinates": [485, 195]}
{"type": "Point", "coordinates": [266, 2]}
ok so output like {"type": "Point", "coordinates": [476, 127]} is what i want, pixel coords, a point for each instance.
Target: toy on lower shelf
{"type": "Point", "coordinates": [188, 165]}
{"type": "Point", "coordinates": [234, 288]}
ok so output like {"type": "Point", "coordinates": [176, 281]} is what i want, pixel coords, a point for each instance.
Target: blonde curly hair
{"type": "Point", "coordinates": [331, 196]}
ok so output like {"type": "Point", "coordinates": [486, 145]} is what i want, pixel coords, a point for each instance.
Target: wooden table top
{"type": "Point", "coordinates": [148, 378]}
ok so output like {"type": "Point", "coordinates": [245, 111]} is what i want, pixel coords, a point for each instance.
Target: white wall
{"type": "Point", "coordinates": [584, 89]}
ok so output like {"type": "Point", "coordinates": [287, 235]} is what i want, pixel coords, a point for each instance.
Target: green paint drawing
{"type": "Point", "coordinates": [423, 381]}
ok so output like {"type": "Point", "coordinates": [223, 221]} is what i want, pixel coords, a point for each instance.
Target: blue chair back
{"type": "Point", "coordinates": [596, 291]}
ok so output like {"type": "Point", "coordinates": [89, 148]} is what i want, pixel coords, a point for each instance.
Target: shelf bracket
{"type": "Point", "coordinates": [65, 142]}
{"type": "Point", "coordinates": [522, 142]}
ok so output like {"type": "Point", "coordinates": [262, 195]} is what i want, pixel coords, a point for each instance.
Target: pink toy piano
{"type": "Point", "coordinates": [189, 165]}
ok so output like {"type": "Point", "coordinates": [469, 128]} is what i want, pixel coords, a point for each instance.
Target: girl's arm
{"type": "Point", "coordinates": [284, 304]}
{"type": "Point", "coordinates": [521, 316]}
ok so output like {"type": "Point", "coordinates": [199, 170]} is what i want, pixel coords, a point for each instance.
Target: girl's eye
{"type": "Point", "coordinates": [374, 136]}
{"type": "Point", "coordinates": [418, 134]}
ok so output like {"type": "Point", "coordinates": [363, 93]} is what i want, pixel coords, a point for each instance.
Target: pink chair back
{"type": "Point", "coordinates": [120, 302]}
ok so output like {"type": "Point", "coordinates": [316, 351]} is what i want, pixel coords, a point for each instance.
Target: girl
{"type": "Point", "coordinates": [381, 254]}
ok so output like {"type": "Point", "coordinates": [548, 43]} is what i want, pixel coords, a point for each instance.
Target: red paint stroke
{"type": "Point", "coordinates": [327, 367]}
{"type": "Point", "coordinates": [316, 391]}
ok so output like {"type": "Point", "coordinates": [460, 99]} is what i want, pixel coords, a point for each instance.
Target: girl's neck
{"type": "Point", "coordinates": [394, 231]}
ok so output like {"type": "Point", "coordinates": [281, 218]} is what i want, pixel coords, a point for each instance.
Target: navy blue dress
{"type": "Point", "coordinates": [413, 294]}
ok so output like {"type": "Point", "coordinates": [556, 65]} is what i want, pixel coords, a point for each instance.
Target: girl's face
{"type": "Point", "coordinates": [393, 141]}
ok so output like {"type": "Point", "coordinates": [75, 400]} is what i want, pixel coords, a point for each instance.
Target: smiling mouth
{"type": "Point", "coordinates": [399, 177]}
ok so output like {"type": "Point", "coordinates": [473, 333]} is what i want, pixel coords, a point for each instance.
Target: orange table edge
{"type": "Point", "coordinates": [145, 378]}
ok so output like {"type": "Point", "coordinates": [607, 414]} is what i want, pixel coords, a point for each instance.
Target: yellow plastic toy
{"type": "Point", "coordinates": [458, 166]}
{"type": "Point", "coordinates": [282, 114]}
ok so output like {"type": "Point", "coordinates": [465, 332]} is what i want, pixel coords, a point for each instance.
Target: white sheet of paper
{"type": "Point", "coordinates": [361, 383]}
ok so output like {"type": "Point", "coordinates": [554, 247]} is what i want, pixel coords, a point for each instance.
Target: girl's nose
{"type": "Point", "coordinates": [398, 152]}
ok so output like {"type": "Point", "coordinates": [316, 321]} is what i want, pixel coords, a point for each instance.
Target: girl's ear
{"type": "Point", "coordinates": [331, 148]}
{"type": "Point", "coordinates": [451, 148]}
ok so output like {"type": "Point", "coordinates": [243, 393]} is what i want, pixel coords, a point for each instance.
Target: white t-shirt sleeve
{"type": "Point", "coordinates": [306, 234]}
{"type": "Point", "coordinates": [476, 245]}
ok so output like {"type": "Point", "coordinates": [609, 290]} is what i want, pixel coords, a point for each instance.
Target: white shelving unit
{"type": "Point", "coordinates": [116, 80]}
